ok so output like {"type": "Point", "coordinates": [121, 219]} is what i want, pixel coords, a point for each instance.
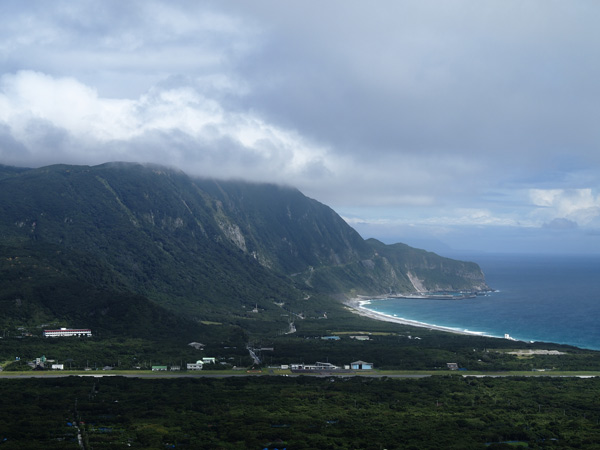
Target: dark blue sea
{"type": "Point", "coordinates": [538, 298]}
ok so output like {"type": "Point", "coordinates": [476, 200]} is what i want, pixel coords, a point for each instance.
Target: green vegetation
{"type": "Point", "coordinates": [152, 260]}
{"type": "Point", "coordinates": [300, 413]}
{"type": "Point", "coordinates": [208, 250]}
{"type": "Point", "coordinates": [17, 366]}
{"type": "Point", "coordinates": [129, 229]}
{"type": "Point", "coordinates": [165, 341]}
{"type": "Point", "coordinates": [123, 353]}
{"type": "Point", "coordinates": [392, 346]}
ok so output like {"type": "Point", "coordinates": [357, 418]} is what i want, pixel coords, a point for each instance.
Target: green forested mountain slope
{"type": "Point", "coordinates": [46, 286]}
{"type": "Point", "coordinates": [212, 250]}
{"type": "Point", "coordinates": [7, 171]}
{"type": "Point", "coordinates": [286, 230]}
{"type": "Point", "coordinates": [151, 229]}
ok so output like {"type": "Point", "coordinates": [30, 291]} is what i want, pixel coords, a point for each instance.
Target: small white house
{"type": "Point", "coordinates": [58, 367]}
{"type": "Point", "coordinates": [195, 366]}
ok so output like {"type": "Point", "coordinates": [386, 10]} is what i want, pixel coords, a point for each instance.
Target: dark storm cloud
{"type": "Point", "coordinates": [11, 150]}
{"type": "Point", "coordinates": [428, 77]}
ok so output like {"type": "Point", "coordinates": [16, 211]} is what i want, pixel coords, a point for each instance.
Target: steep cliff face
{"type": "Point", "coordinates": [284, 229]}
{"type": "Point", "coordinates": [289, 232]}
{"type": "Point", "coordinates": [205, 247]}
{"type": "Point", "coordinates": [151, 229]}
{"type": "Point", "coordinates": [430, 272]}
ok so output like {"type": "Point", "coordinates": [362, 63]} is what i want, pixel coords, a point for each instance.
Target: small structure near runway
{"type": "Point", "coordinates": [317, 367]}
{"type": "Point", "coordinates": [361, 365]}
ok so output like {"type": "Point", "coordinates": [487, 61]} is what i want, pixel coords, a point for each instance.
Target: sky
{"type": "Point", "coordinates": [455, 126]}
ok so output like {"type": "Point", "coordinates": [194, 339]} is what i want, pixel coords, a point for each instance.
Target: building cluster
{"type": "Point", "coordinates": [199, 365]}
{"type": "Point", "coordinates": [359, 337]}
{"type": "Point", "coordinates": [328, 367]}
{"type": "Point", "coordinates": [42, 363]}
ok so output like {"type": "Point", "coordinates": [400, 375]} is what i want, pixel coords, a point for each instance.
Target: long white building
{"type": "Point", "coordinates": [68, 332]}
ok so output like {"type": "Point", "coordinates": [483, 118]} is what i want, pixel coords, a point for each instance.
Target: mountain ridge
{"type": "Point", "coordinates": [211, 250]}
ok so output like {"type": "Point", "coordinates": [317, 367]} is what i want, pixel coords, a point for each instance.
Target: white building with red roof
{"type": "Point", "coordinates": [65, 332]}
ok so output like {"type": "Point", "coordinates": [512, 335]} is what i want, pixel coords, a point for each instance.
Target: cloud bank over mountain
{"type": "Point", "coordinates": [453, 119]}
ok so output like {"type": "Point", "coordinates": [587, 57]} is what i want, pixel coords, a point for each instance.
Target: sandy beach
{"type": "Point", "coordinates": [356, 305]}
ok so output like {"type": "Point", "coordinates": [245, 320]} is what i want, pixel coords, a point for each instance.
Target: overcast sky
{"type": "Point", "coordinates": [465, 125]}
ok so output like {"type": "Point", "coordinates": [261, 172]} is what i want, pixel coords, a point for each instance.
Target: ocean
{"type": "Point", "coordinates": [538, 298]}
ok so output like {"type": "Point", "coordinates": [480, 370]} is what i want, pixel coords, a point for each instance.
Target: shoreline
{"type": "Point", "coordinates": [356, 305]}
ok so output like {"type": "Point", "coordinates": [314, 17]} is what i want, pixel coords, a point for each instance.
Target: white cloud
{"type": "Point", "coordinates": [189, 126]}
{"type": "Point", "coordinates": [123, 48]}
{"type": "Point", "coordinates": [578, 205]}
{"type": "Point", "coordinates": [544, 197]}
{"type": "Point", "coordinates": [458, 217]}
{"type": "Point", "coordinates": [60, 119]}
{"type": "Point", "coordinates": [63, 102]}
